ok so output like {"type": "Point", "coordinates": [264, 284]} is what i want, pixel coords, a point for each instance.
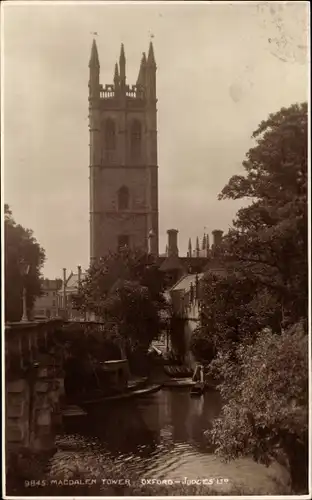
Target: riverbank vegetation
{"type": "Point", "coordinates": [254, 315]}
{"type": "Point", "coordinates": [125, 291]}
{"type": "Point", "coordinates": [24, 259]}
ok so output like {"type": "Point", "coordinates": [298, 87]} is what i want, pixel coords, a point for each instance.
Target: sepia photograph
{"type": "Point", "coordinates": [155, 183]}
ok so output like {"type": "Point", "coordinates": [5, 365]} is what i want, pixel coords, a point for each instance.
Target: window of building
{"type": "Point", "coordinates": [135, 139]}
{"type": "Point", "coordinates": [110, 135]}
{"type": "Point", "coordinates": [123, 198]}
{"type": "Point", "coordinates": [123, 241]}
{"type": "Point", "coordinates": [53, 303]}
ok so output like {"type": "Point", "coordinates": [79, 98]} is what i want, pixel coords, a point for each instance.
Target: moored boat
{"type": "Point", "coordinates": [125, 395]}
{"type": "Point", "coordinates": [176, 383]}
{"type": "Point", "coordinates": [198, 389]}
{"type": "Point", "coordinates": [73, 411]}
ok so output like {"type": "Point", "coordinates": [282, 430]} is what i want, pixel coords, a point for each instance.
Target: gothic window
{"type": "Point", "coordinates": [123, 241]}
{"type": "Point", "coordinates": [135, 139]}
{"type": "Point", "coordinates": [110, 135]}
{"type": "Point", "coordinates": [123, 198]}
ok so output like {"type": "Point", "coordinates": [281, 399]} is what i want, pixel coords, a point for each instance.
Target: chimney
{"type": "Point", "coordinates": [173, 242]}
{"type": "Point", "coordinates": [64, 287]}
{"type": "Point", "coordinates": [189, 253]}
{"type": "Point", "coordinates": [197, 247]}
{"type": "Point", "coordinates": [79, 276]}
{"type": "Point", "coordinates": [217, 237]}
{"type": "Point", "coordinates": [207, 246]}
{"type": "Point", "coordinates": [151, 236]}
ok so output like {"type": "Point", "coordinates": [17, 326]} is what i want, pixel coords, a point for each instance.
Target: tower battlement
{"type": "Point", "coordinates": [109, 91]}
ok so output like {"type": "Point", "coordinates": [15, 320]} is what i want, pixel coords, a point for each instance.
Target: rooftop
{"type": "Point", "coordinates": [186, 281]}
{"type": "Point", "coordinates": [72, 283]}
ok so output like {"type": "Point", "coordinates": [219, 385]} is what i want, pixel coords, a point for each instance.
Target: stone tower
{"type": "Point", "coordinates": [123, 158]}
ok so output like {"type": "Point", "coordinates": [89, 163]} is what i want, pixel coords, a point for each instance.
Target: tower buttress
{"type": "Point", "coordinates": [149, 72]}
{"type": "Point", "coordinates": [95, 144]}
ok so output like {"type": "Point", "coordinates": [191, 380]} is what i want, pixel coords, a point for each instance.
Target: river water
{"type": "Point", "coordinates": [159, 437]}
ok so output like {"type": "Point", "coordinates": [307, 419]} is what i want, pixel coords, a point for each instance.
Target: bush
{"type": "Point", "coordinates": [265, 388]}
{"type": "Point", "coordinates": [201, 346]}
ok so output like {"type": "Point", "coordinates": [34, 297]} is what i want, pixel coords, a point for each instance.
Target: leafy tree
{"type": "Point", "coordinates": [269, 240]}
{"type": "Point", "coordinates": [234, 306]}
{"type": "Point", "coordinates": [202, 346]}
{"type": "Point", "coordinates": [264, 254]}
{"type": "Point", "coordinates": [125, 290]}
{"type": "Point", "coordinates": [105, 276]}
{"type": "Point", "coordinates": [20, 247]}
{"type": "Point", "coordinates": [266, 395]}
{"type": "Point", "coordinates": [264, 284]}
{"type": "Point", "coordinates": [137, 315]}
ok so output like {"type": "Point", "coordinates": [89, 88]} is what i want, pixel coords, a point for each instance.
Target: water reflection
{"type": "Point", "coordinates": [121, 429]}
{"type": "Point", "coordinates": [160, 436]}
{"type": "Point", "coordinates": [158, 429]}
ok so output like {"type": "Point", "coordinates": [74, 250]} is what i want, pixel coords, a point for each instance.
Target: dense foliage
{"type": "Point", "coordinates": [125, 291]}
{"type": "Point", "coordinates": [266, 394]}
{"type": "Point", "coordinates": [202, 346]}
{"type": "Point", "coordinates": [21, 249]}
{"type": "Point", "coordinates": [270, 237]}
{"type": "Point", "coordinates": [264, 285]}
{"type": "Point", "coordinates": [264, 254]}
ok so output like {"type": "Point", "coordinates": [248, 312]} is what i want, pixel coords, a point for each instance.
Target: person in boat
{"type": "Point", "coordinates": [198, 374]}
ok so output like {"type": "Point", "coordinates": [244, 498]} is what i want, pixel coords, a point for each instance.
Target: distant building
{"type": "Point", "coordinates": [184, 276]}
{"type": "Point", "coordinates": [175, 267]}
{"type": "Point", "coordinates": [46, 306]}
{"type": "Point", "coordinates": [70, 287]}
{"type": "Point", "coordinates": [185, 300]}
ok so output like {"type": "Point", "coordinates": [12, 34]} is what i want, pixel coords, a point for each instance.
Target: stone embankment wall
{"type": "Point", "coordinates": [34, 383]}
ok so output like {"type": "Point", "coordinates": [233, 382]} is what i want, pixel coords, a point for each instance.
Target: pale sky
{"type": "Point", "coordinates": [221, 69]}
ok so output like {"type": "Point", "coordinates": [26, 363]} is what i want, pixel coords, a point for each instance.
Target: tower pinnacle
{"type": "Point", "coordinates": [151, 57]}
{"type": "Point", "coordinates": [122, 64]}
{"type": "Point", "coordinates": [94, 58]}
{"type": "Point", "coordinates": [116, 75]}
{"type": "Point", "coordinates": [142, 72]}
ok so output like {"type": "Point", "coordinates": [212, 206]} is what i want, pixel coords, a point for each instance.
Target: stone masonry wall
{"type": "Point", "coordinates": [33, 410]}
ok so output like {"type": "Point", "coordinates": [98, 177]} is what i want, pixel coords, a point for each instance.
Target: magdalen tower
{"type": "Point", "coordinates": [123, 158]}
